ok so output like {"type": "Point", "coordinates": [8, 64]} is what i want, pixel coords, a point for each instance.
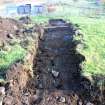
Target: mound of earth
{"type": "Point", "coordinates": [8, 26]}
{"type": "Point", "coordinates": [10, 30]}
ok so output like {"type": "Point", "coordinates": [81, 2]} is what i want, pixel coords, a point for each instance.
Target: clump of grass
{"type": "Point", "coordinates": [8, 58]}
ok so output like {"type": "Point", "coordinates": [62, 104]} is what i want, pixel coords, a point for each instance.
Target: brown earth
{"type": "Point", "coordinates": [8, 26]}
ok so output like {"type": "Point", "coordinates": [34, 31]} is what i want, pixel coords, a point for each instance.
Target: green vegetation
{"type": "Point", "coordinates": [40, 19]}
{"type": "Point", "coordinates": [9, 57]}
{"type": "Point", "coordinates": [94, 51]}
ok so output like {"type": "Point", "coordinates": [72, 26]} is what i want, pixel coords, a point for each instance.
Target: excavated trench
{"type": "Point", "coordinates": [57, 76]}
{"type": "Point", "coordinates": [57, 63]}
{"type": "Point", "coordinates": [56, 67]}
{"type": "Point", "coordinates": [57, 71]}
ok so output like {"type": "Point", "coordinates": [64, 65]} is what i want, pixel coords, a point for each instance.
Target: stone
{"type": "Point", "coordinates": [11, 83]}
{"type": "Point", "coordinates": [15, 27]}
{"type": "Point", "coordinates": [10, 36]}
{"type": "Point", "coordinates": [2, 94]}
{"type": "Point", "coordinates": [26, 94]}
{"type": "Point", "coordinates": [2, 91]}
{"type": "Point", "coordinates": [40, 86]}
{"type": "Point", "coordinates": [62, 99]}
{"type": "Point", "coordinates": [78, 32]}
{"type": "Point", "coordinates": [55, 73]}
{"type": "Point", "coordinates": [80, 103]}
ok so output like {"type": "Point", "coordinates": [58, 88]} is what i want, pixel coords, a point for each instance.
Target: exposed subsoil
{"type": "Point", "coordinates": [56, 68]}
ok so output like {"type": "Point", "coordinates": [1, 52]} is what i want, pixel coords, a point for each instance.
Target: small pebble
{"type": "Point", "coordinates": [26, 94]}
{"type": "Point", "coordinates": [55, 73]}
{"type": "Point", "coordinates": [10, 36]}
{"type": "Point", "coordinates": [2, 91]}
{"type": "Point", "coordinates": [62, 99]}
{"type": "Point", "coordinates": [40, 86]}
{"type": "Point", "coordinates": [80, 103]}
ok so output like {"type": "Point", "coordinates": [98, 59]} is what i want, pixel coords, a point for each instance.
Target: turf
{"type": "Point", "coordinates": [94, 36]}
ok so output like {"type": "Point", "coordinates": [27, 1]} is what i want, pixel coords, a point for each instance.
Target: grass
{"type": "Point", "coordinates": [8, 58]}
{"type": "Point", "coordinates": [94, 36]}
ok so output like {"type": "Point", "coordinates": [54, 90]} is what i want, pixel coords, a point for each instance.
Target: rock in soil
{"type": "Point", "coordinates": [55, 73]}
{"type": "Point", "coordinates": [62, 99]}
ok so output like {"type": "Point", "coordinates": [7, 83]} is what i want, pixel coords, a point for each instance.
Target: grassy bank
{"type": "Point", "coordinates": [94, 51]}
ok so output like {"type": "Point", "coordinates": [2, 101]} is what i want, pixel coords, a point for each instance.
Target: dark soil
{"type": "Point", "coordinates": [58, 53]}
